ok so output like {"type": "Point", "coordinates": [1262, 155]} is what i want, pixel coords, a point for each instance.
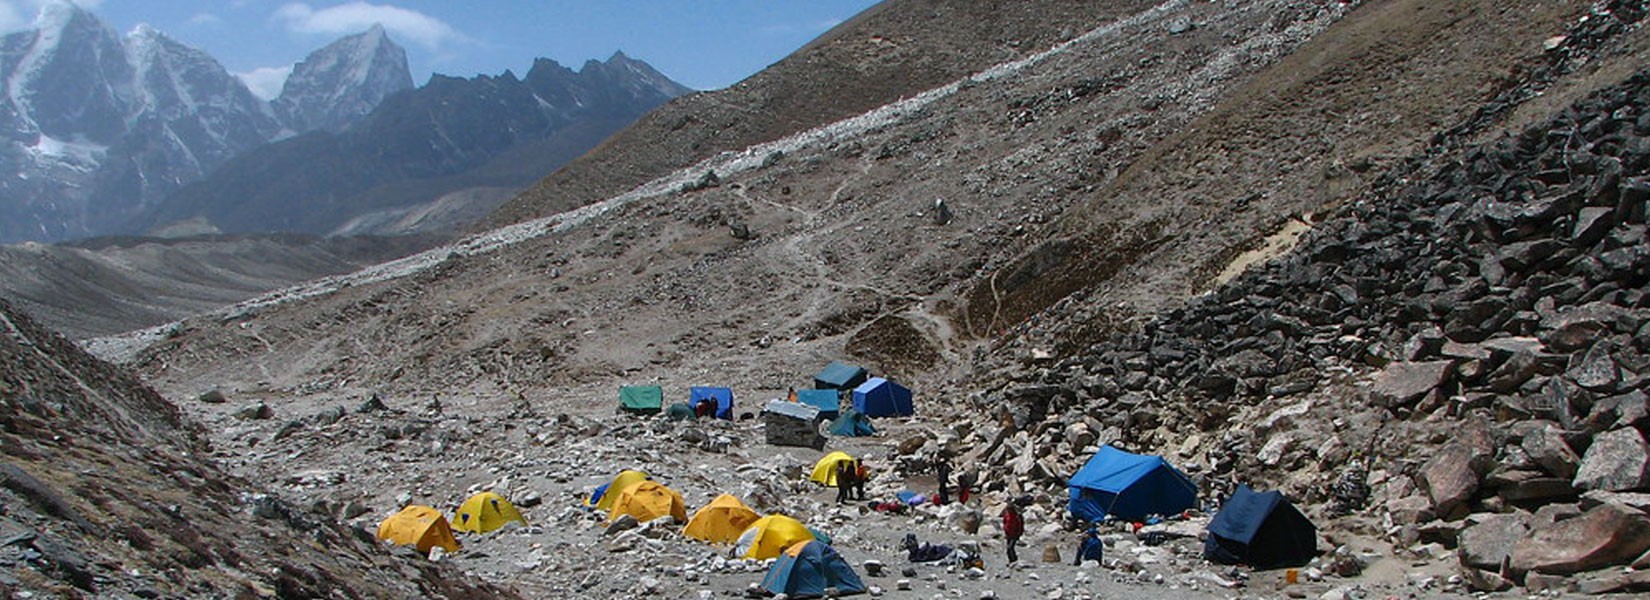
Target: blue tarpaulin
{"type": "Point", "coordinates": [1262, 530]}
{"type": "Point", "coordinates": [1129, 487]}
{"type": "Point", "coordinates": [878, 397]}
{"type": "Point", "coordinates": [721, 395]}
{"type": "Point", "coordinates": [840, 376]}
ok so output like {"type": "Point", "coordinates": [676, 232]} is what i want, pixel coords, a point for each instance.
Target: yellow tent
{"type": "Point", "coordinates": [825, 469]}
{"type": "Point", "coordinates": [648, 500]}
{"type": "Point", "coordinates": [721, 521]}
{"type": "Point", "coordinates": [421, 527]}
{"type": "Point", "coordinates": [769, 536]}
{"type": "Point", "coordinates": [485, 512]}
{"type": "Point", "coordinates": [610, 492]}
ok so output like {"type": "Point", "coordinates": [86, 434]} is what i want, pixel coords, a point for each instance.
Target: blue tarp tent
{"type": "Point", "coordinates": [806, 569]}
{"type": "Point", "coordinates": [852, 423]}
{"type": "Point", "coordinates": [878, 397]}
{"type": "Point", "coordinates": [840, 376]}
{"type": "Point", "coordinates": [828, 402]}
{"type": "Point", "coordinates": [723, 397]}
{"type": "Point", "coordinates": [1262, 530]}
{"type": "Point", "coordinates": [1129, 487]}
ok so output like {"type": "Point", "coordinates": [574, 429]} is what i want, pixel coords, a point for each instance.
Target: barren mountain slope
{"type": "Point", "coordinates": [895, 49]}
{"type": "Point", "coordinates": [1290, 145]}
{"type": "Point", "coordinates": [517, 338]}
{"type": "Point", "coordinates": [108, 286]}
{"type": "Point", "coordinates": [846, 249]}
{"type": "Point", "coordinates": [105, 496]}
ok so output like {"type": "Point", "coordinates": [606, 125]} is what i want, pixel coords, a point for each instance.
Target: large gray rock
{"type": "Point", "coordinates": [1402, 383]}
{"type": "Point", "coordinates": [1489, 540]}
{"type": "Point", "coordinates": [1609, 534]}
{"type": "Point", "coordinates": [1595, 370]}
{"type": "Point", "coordinates": [1546, 446]}
{"type": "Point", "coordinates": [1617, 461]}
{"type": "Point", "coordinates": [1451, 478]}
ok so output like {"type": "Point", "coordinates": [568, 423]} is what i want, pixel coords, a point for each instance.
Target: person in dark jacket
{"type": "Point", "coordinates": [844, 481]}
{"type": "Point", "coordinates": [942, 472]}
{"type": "Point", "coordinates": [965, 486]}
{"type": "Point", "coordinates": [1091, 548]}
{"type": "Point", "coordinates": [1014, 526]}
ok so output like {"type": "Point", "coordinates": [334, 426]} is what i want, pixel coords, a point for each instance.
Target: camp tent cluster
{"type": "Point", "coordinates": [425, 528]}
{"type": "Point", "coordinates": [836, 384]}
{"type": "Point", "coordinates": [806, 565]}
{"type": "Point", "coordinates": [1259, 529]}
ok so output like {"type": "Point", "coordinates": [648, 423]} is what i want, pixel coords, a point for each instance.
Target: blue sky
{"type": "Point", "coordinates": [704, 44]}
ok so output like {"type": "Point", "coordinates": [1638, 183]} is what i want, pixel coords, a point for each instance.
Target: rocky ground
{"type": "Point", "coordinates": [1465, 306]}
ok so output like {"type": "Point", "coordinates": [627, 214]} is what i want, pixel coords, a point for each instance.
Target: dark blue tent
{"type": "Point", "coordinates": [840, 376]}
{"type": "Point", "coordinates": [806, 569]}
{"type": "Point", "coordinates": [828, 402]}
{"type": "Point", "coordinates": [878, 397]}
{"type": "Point", "coordinates": [1262, 530]}
{"type": "Point", "coordinates": [721, 395]}
{"type": "Point", "coordinates": [1129, 487]}
{"type": "Point", "coordinates": [852, 423]}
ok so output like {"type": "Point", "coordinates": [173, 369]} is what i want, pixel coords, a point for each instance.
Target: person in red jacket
{"type": "Point", "coordinates": [1014, 526]}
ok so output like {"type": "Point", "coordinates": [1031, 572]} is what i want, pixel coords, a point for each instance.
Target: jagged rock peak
{"type": "Point", "coordinates": [335, 86]}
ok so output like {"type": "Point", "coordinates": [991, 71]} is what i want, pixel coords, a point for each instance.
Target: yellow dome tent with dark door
{"type": "Point", "coordinates": [421, 527]}
{"type": "Point", "coordinates": [485, 512]}
{"type": "Point", "coordinates": [721, 521]}
{"type": "Point", "coordinates": [606, 495]}
{"type": "Point", "coordinates": [825, 470]}
{"type": "Point", "coordinates": [769, 536]}
{"type": "Point", "coordinates": [648, 500]}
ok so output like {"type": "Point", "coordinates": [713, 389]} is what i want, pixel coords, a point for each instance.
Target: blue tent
{"type": "Point", "coordinates": [852, 423]}
{"type": "Point", "coordinates": [1262, 530]}
{"type": "Point", "coordinates": [721, 395]}
{"type": "Point", "coordinates": [827, 401]}
{"type": "Point", "coordinates": [806, 569]}
{"type": "Point", "coordinates": [1129, 487]}
{"type": "Point", "coordinates": [878, 397]}
{"type": "Point", "coordinates": [840, 376]}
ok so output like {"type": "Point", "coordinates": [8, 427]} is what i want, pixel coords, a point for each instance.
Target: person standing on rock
{"type": "Point", "coordinates": [942, 472]}
{"type": "Point", "coordinates": [1014, 526]}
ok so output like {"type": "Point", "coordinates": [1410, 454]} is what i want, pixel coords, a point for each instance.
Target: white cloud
{"type": "Point", "coordinates": [355, 17]}
{"type": "Point", "coordinates": [205, 20]}
{"type": "Point", "coordinates": [266, 82]}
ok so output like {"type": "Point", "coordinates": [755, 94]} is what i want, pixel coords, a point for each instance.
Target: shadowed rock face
{"type": "Point", "coordinates": [107, 495]}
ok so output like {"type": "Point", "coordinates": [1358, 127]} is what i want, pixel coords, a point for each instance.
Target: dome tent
{"type": "Point", "coordinates": [721, 521]}
{"type": "Point", "coordinates": [484, 512]}
{"type": "Point", "coordinates": [769, 536]}
{"type": "Point", "coordinates": [812, 569]}
{"type": "Point", "coordinates": [421, 527]}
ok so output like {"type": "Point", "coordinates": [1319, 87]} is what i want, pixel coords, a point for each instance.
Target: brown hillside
{"type": "Point", "coordinates": [894, 49]}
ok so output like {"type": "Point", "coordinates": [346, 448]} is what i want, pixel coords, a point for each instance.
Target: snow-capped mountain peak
{"type": "Point", "coordinates": [335, 86]}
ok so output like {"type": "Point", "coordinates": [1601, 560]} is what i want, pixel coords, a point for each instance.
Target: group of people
{"type": "Point", "coordinates": [850, 480]}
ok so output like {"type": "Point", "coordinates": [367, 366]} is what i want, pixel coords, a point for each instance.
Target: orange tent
{"type": "Point", "coordinates": [721, 521]}
{"type": "Point", "coordinates": [648, 500]}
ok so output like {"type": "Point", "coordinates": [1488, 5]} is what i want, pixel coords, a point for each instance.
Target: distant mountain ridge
{"type": "Point", "coordinates": [96, 127]}
{"type": "Point", "coordinates": [102, 134]}
{"type": "Point", "coordinates": [452, 135]}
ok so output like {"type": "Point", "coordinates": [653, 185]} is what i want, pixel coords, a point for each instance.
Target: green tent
{"type": "Point", "coordinates": [852, 423]}
{"type": "Point", "coordinates": [680, 411]}
{"type": "Point", "coordinates": [642, 399]}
